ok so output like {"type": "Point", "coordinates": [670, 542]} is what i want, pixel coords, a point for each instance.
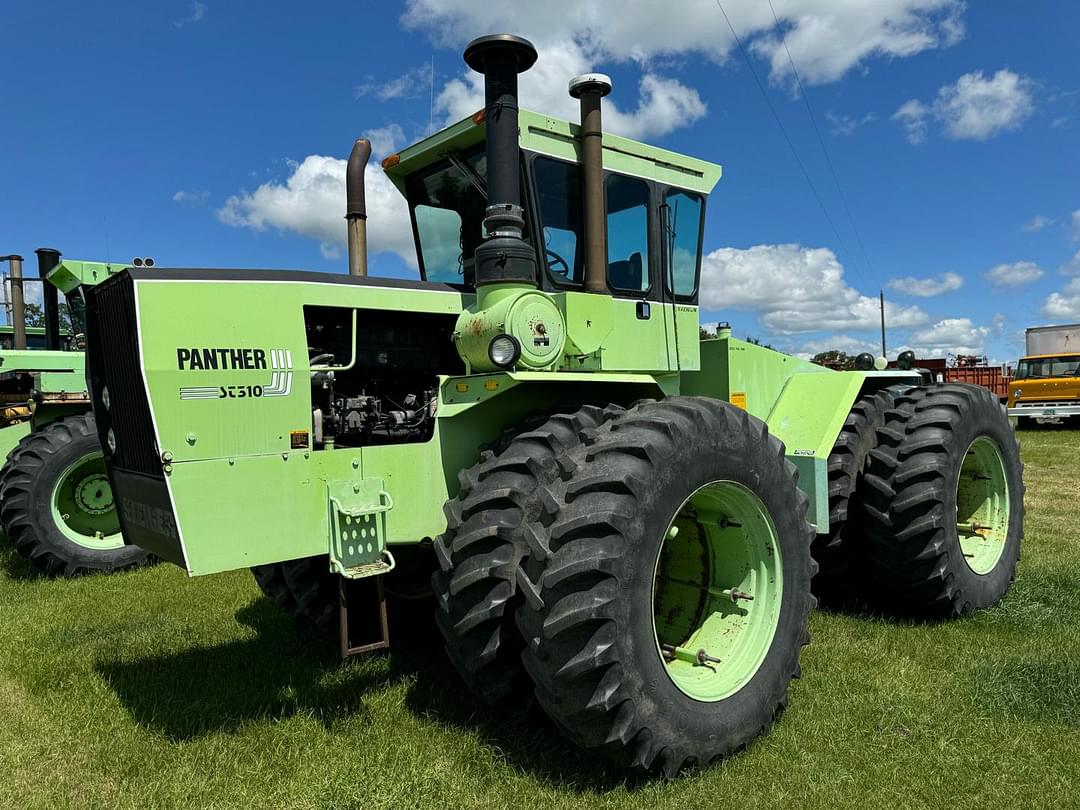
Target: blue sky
{"type": "Point", "coordinates": [213, 134]}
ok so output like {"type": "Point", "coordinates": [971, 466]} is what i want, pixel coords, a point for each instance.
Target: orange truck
{"type": "Point", "coordinates": [1047, 380]}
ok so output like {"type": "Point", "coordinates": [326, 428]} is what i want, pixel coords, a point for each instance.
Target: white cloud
{"type": "Point", "coordinates": [973, 108]}
{"type": "Point", "coordinates": [1015, 274]}
{"type": "Point", "coordinates": [663, 104]}
{"type": "Point", "coordinates": [927, 287]}
{"type": "Point", "coordinates": [949, 336]}
{"type": "Point", "coordinates": [412, 83]}
{"type": "Point", "coordinates": [385, 140]}
{"type": "Point", "coordinates": [794, 289]}
{"type": "Point", "coordinates": [1064, 305]}
{"type": "Point", "coordinates": [1037, 223]}
{"type": "Point", "coordinates": [1076, 225]}
{"type": "Point", "coordinates": [1071, 267]}
{"type": "Point", "coordinates": [192, 197]}
{"type": "Point", "coordinates": [845, 124]}
{"type": "Point", "coordinates": [826, 39]}
{"type": "Point", "coordinates": [311, 202]}
{"type": "Point", "coordinates": [197, 15]}
{"type": "Point", "coordinates": [913, 114]}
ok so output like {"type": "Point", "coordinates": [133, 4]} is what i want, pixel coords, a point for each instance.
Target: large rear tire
{"type": "Point", "coordinates": [56, 503]}
{"type": "Point", "coordinates": [306, 589]}
{"type": "Point", "coordinates": [640, 637]}
{"type": "Point", "coordinates": [945, 502]}
{"type": "Point", "coordinates": [840, 552]}
{"type": "Point", "coordinates": [482, 548]}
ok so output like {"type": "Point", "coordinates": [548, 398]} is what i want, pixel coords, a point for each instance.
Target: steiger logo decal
{"type": "Point", "coordinates": [198, 359]}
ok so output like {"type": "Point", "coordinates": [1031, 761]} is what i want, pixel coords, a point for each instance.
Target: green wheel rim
{"type": "Point", "coordinates": [717, 591]}
{"type": "Point", "coordinates": [982, 506]}
{"type": "Point", "coordinates": [82, 505]}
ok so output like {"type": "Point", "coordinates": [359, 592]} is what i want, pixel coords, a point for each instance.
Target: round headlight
{"type": "Point", "coordinates": [110, 439]}
{"type": "Point", "coordinates": [105, 397]}
{"type": "Point", "coordinates": [504, 350]}
{"type": "Point", "coordinates": [1018, 392]}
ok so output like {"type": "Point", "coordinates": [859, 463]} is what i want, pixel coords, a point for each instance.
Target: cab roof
{"type": "Point", "coordinates": [557, 138]}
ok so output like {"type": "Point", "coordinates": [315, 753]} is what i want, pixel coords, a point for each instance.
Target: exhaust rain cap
{"type": "Point", "coordinates": [590, 82]}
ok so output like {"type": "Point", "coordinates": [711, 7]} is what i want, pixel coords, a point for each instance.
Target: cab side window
{"type": "Point", "coordinates": [628, 234]}
{"type": "Point", "coordinates": [558, 191]}
{"type": "Point", "coordinates": [682, 229]}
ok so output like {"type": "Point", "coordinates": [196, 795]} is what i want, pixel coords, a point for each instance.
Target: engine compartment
{"type": "Point", "coordinates": [389, 394]}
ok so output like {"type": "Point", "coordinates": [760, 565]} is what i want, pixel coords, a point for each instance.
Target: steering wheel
{"type": "Point", "coordinates": [555, 261]}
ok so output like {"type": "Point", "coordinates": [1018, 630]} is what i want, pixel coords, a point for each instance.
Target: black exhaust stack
{"type": "Point", "coordinates": [47, 259]}
{"type": "Point", "coordinates": [505, 257]}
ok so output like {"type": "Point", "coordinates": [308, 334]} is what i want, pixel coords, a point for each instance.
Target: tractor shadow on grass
{"type": "Point", "coordinates": [13, 565]}
{"type": "Point", "coordinates": [285, 670]}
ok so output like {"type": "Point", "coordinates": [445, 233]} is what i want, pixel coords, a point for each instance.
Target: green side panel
{"type": "Point", "coordinates": [804, 404]}
{"type": "Point", "coordinates": [807, 418]}
{"type": "Point", "coordinates": [34, 360]}
{"type": "Point", "coordinates": [11, 436]}
{"type": "Point", "coordinates": [612, 337]}
{"type": "Point", "coordinates": [234, 316]}
{"type": "Point", "coordinates": [70, 274]}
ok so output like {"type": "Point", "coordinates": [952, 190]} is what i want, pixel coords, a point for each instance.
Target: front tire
{"type": "Point", "coordinates": [945, 502]}
{"type": "Point", "coordinates": [639, 647]}
{"type": "Point", "coordinates": [56, 503]}
{"type": "Point", "coordinates": [479, 554]}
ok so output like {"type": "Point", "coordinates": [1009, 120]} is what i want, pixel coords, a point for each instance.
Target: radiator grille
{"type": "Point", "coordinates": [113, 361]}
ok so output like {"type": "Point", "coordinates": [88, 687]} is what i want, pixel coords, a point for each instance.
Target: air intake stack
{"type": "Point", "coordinates": [505, 258]}
{"type": "Point", "coordinates": [48, 258]}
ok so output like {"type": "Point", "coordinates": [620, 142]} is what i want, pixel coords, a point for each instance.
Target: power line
{"type": "Point", "coordinates": [783, 129]}
{"type": "Point", "coordinates": [821, 140]}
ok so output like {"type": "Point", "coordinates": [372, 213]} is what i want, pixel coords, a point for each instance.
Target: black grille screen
{"type": "Point", "coordinates": [113, 361]}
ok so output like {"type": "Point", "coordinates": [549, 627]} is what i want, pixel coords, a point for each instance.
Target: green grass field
{"type": "Point", "coordinates": [150, 689]}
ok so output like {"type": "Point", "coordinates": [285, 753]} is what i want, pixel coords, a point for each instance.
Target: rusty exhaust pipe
{"type": "Point", "coordinates": [589, 88]}
{"type": "Point", "coordinates": [48, 258]}
{"type": "Point", "coordinates": [18, 301]}
{"type": "Point", "coordinates": [356, 206]}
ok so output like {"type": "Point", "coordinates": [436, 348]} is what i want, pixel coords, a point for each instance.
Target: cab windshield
{"type": "Point", "coordinates": [1066, 366]}
{"type": "Point", "coordinates": [448, 213]}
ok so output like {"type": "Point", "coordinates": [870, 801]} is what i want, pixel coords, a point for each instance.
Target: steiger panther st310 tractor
{"type": "Point", "coordinates": [619, 515]}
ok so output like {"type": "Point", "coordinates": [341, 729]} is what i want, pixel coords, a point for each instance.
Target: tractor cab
{"type": "Point", "coordinates": [654, 202]}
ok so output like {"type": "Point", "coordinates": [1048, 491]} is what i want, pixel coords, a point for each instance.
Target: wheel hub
{"type": "Point", "coordinates": [94, 494]}
{"type": "Point", "coordinates": [717, 591]}
{"type": "Point", "coordinates": [83, 508]}
{"type": "Point", "coordinates": [982, 506]}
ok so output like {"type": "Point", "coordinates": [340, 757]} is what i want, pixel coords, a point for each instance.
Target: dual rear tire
{"type": "Point", "coordinates": [926, 504]}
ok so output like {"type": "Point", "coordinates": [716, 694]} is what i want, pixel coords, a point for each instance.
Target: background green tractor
{"type": "Point", "coordinates": [56, 504]}
{"type": "Point", "coordinates": [618, 515]}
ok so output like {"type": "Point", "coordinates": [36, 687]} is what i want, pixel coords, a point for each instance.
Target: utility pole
{"type": "Point", "coordinates": [882, 297]}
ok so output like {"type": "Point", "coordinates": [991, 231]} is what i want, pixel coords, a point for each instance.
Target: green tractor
{"type": "Point", "coordinates": [618, 515]}
{"type": "Point", "coordinates": [56, 504]}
